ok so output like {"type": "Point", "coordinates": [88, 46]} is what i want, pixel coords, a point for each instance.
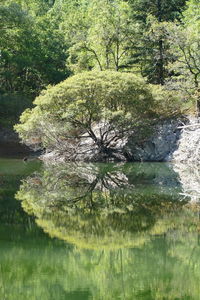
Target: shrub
{"type": "Point", "coordinates": [104, 106]}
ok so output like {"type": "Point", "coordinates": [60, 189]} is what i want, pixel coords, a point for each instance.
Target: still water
{"type": "Point", "coordinates": [99, 231]}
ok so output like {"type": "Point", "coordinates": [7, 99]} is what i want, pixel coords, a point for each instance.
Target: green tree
{"type": "Point", "coordinates": [33, 7]}
{"type": "Point", "coordinates": [184, 47]}
{"type": "Point", "coordinates": [102, 106]}
{"type": "Point", "coordinates": [13, 20]}
{"type": "Point", "coordinates": [152, 50]}
{"type": "Point", "coordinates": [33, 51]}
{"type": "Point", "coordinates": [33, 54]}
{"type": "Point", "coordinates": [100, 34]}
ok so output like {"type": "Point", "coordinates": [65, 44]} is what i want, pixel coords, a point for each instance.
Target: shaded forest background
{"type": "Point", "coordinates": [42, 42]}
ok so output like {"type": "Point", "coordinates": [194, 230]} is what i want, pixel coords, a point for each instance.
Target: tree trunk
{"type": "Point", "coordinates": [160, 47]}
{"type": "Point", "coordinates": [197, 97]}
{"type": "Point", "coordinates": [161, 64]}
{"type": "Point", "coordinates": [198, 105]}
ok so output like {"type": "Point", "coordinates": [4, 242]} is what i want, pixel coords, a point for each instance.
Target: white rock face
{"type": "Point", "coordinates": [188, 150]}
{"type": "Point", "coordinates": [157, 147]}
{"type": "Point", "coordinates": [187, 160]}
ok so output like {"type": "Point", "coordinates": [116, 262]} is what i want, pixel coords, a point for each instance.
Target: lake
{"type": "Point", "coordinates": [99, 231]}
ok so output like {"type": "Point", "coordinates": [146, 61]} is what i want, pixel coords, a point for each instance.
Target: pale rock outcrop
{"type": "Point", "coordinates": [157, 147]}
{"type": "Point", "coordinates": [188, 150]}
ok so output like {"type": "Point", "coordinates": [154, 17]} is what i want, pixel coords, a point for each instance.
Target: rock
{"type": "Point", "coordinates": [159, 146]}
{"type": "Point", "coordinates": [53, 156]}
{"type": "Point", "coordinates": [188, 150]}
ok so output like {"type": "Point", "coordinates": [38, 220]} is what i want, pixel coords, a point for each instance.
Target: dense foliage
{"type": "Point", "coordinates": [33, 51]}
{"type": "Point", "coordinates": [104, 107]}
{"type": "Point", "coordinates": [43, 42]}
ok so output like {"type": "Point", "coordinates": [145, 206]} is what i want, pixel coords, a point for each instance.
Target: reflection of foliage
{"type": "Point", "coordinates": [165, 268]}
{"type": "Point", "coordinates": [11, 173]}
{"type": "Point", "coordinates": [101, 205]}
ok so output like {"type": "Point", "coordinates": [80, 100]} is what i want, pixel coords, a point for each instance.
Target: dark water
{"type": "Point", "coordinates": [97, 231]}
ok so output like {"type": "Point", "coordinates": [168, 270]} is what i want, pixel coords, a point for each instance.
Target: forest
{"type": "Point", "coordinates": [107, 95]}
{"type": "Point", "coordinates": [43, 42]}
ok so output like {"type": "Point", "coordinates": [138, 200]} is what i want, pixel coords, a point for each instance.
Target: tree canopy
{"type": "Point", "coordinates": [104, 107]}
{"type": "Point", "coordinates": [43, 42]}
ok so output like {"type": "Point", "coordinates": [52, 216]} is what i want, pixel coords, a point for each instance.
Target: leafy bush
{"type": "Point", "coordinates": [104, 106]}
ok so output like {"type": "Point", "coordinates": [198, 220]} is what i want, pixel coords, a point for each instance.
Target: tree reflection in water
{"type": "Point", "coordinates": [100, 205]}
{"type": "Point", "coordinates": [134, 236]}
